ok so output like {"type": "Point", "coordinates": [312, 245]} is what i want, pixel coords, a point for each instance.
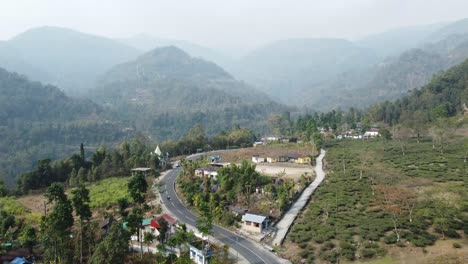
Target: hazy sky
{"type": "Point", "coordinates": [222, 22]}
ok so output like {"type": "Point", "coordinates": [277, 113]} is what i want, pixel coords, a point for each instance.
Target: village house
{"type": "Point", "coordinates": [277, 159]}
{"type": "Point", "coordinates": [200, 256]}
{"type": "Point", "coordinates": [105, 226]}
{"type": "Point", "coordinates": [210, 172]}
{"type": "Point", "coordinates": [153, 225]}
{"type": "Point", "coordinates": [371, 133]}
{"type": "Point", "coordinates": [258, 159]}
{"type": "Point", "coordinates": [145, 171]}
{"type": "Point", "coordinates": [272, 138]}
{"type": "Point", "coordinates": [304, 160]}
{"type": "Point", "coordinates": [237, 210]}
{"type": "Point", "coordinates": [220, 164]}
{"type": "Point", "coordinates": [299, 158]}
{"type": "Point", "coordinates": [258, 143]}
{"type": "Point", "coordinates": [253, 223]}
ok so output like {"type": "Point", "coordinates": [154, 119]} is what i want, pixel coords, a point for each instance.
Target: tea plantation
{"type": "Point", "coordinates": [383, 193]}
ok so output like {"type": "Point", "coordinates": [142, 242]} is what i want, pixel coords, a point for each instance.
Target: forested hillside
{"type": "Point", "coordinates": [394, 77]}
{"type": "Point", "coordinates": [445, 96]}
{"type": "Point", "coordinates": [38, 121]}
{"type": "Point", "coordinates": [166, 92]}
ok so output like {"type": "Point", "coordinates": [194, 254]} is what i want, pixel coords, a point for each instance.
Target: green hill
{"type": "Point", "coordinates": [39, 121]}
{"type": "Point", "coordinates": [445, 96]}
{"type": "Point", "coordinates": [166, 92]}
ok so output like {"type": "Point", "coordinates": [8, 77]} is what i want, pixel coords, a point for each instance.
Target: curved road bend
{"type": "Point", "coordinates": [248, 249]}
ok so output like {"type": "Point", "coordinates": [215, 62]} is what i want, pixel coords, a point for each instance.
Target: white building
{"type": "Point", "coordinates": [373, 132]}
{"type": "Point", "coordinates": [258, 159]}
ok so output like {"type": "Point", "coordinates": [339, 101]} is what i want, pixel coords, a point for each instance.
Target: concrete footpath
{"type": "Point", "coordinates": [285, 223]}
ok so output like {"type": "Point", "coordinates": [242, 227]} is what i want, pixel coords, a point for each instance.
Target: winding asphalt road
{"type": "Point", "coordinates": [251, 251]}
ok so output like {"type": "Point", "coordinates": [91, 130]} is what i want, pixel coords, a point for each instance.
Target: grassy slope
{"type": "Point", "coordinates": [106, 192]}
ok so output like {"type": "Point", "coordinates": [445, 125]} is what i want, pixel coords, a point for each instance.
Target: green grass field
{"type": "Point", "coordinates": [12, 206]}
{"type": "Point", "coordinates": [106, 192]}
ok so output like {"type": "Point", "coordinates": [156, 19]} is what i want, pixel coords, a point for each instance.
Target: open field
{"type": "Point", "coordinates": [106, 192]}
{"type": "Point", "coordinates": [34, 202]}
{"type": "Point", "coordinates": [12, 206]}
{"type": "Point", "coordinates": [15, 207]}
{"type": "Point", "coordinates": [290, 172]}
{"type": "Point", "coordinates": [102, 194]}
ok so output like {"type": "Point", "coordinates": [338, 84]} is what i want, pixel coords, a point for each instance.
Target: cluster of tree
{"type": "Point", "coordinates": [445, 96]}
{"type": "Point", "coordinates": [67, 233]}
{"type": "Point", "coordinates": [39, 121]}
{"type": "Point", "coordinates": [196, 139]}
{"type": "Point", "coordinates": [102, 164]}
{"type": "Point", "coordinates": [69, 239]}
{"type": "Point", "coordinates": [235, 186]}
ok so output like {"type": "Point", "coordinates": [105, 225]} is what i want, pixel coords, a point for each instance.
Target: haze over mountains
{"type": "Point", "coordinates": [164, 87]}
{"type": "Point", "coordinates": [296, 72]}
{"type": "Point", "coordinates": [66, 58]}
{"type": "Point", "coordinates": [394, 76]}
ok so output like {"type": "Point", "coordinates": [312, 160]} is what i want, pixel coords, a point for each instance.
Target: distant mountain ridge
{"type": "Point", "coordinates": [147, 43]}
{"type": "Point", "coordinates": [286, 69]}
{"type": "Point", "coordinates": [393, 42]}
{"type": "Point", "coordinates": [395, 76]}
{"type": "Point", "coordinates": [63, 57]}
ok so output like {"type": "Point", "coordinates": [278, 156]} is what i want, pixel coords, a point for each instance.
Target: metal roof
{"type": "Point", "coordinates": [141, 169]}
{"type": "Point", "coordinates": [253, 218]}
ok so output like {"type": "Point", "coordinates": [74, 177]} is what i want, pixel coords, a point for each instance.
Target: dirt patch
{"type": "Point", "coordinates": [291, 172]}
{"type": "Point", "coordinates": [34, 202]}
{"type": "Point", "coordinates": [439, 251]}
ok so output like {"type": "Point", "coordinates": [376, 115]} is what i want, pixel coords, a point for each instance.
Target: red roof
{"type": "Point", "coordinates": [154, 223]}
{"type": "Point", "coordinates": [169, 219]}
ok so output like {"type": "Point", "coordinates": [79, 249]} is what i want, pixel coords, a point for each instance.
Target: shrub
{"type": "Point", "coordinates": [327, 246]}
{"type": "Point", "coordinates": [456, 245]}
{"type": "Point", "coordinates": [391, 239]}
{"type": "Point", "coordinates": [348, 250]}
{"type": "Point", "coordinates": [452, 233]}
{"type": "Point", "coordinates": [330, 256]}
{"type": "Point", "coordinates": [303, 245]}
{"type": "Point", "coordinates": [372, 249]}
{"type": "Point", "coordinates": [367, 253]}
{"type": "Point", "coordinates": [304, 253]}
{"type": "Point", "coordinates": [401, 244]}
